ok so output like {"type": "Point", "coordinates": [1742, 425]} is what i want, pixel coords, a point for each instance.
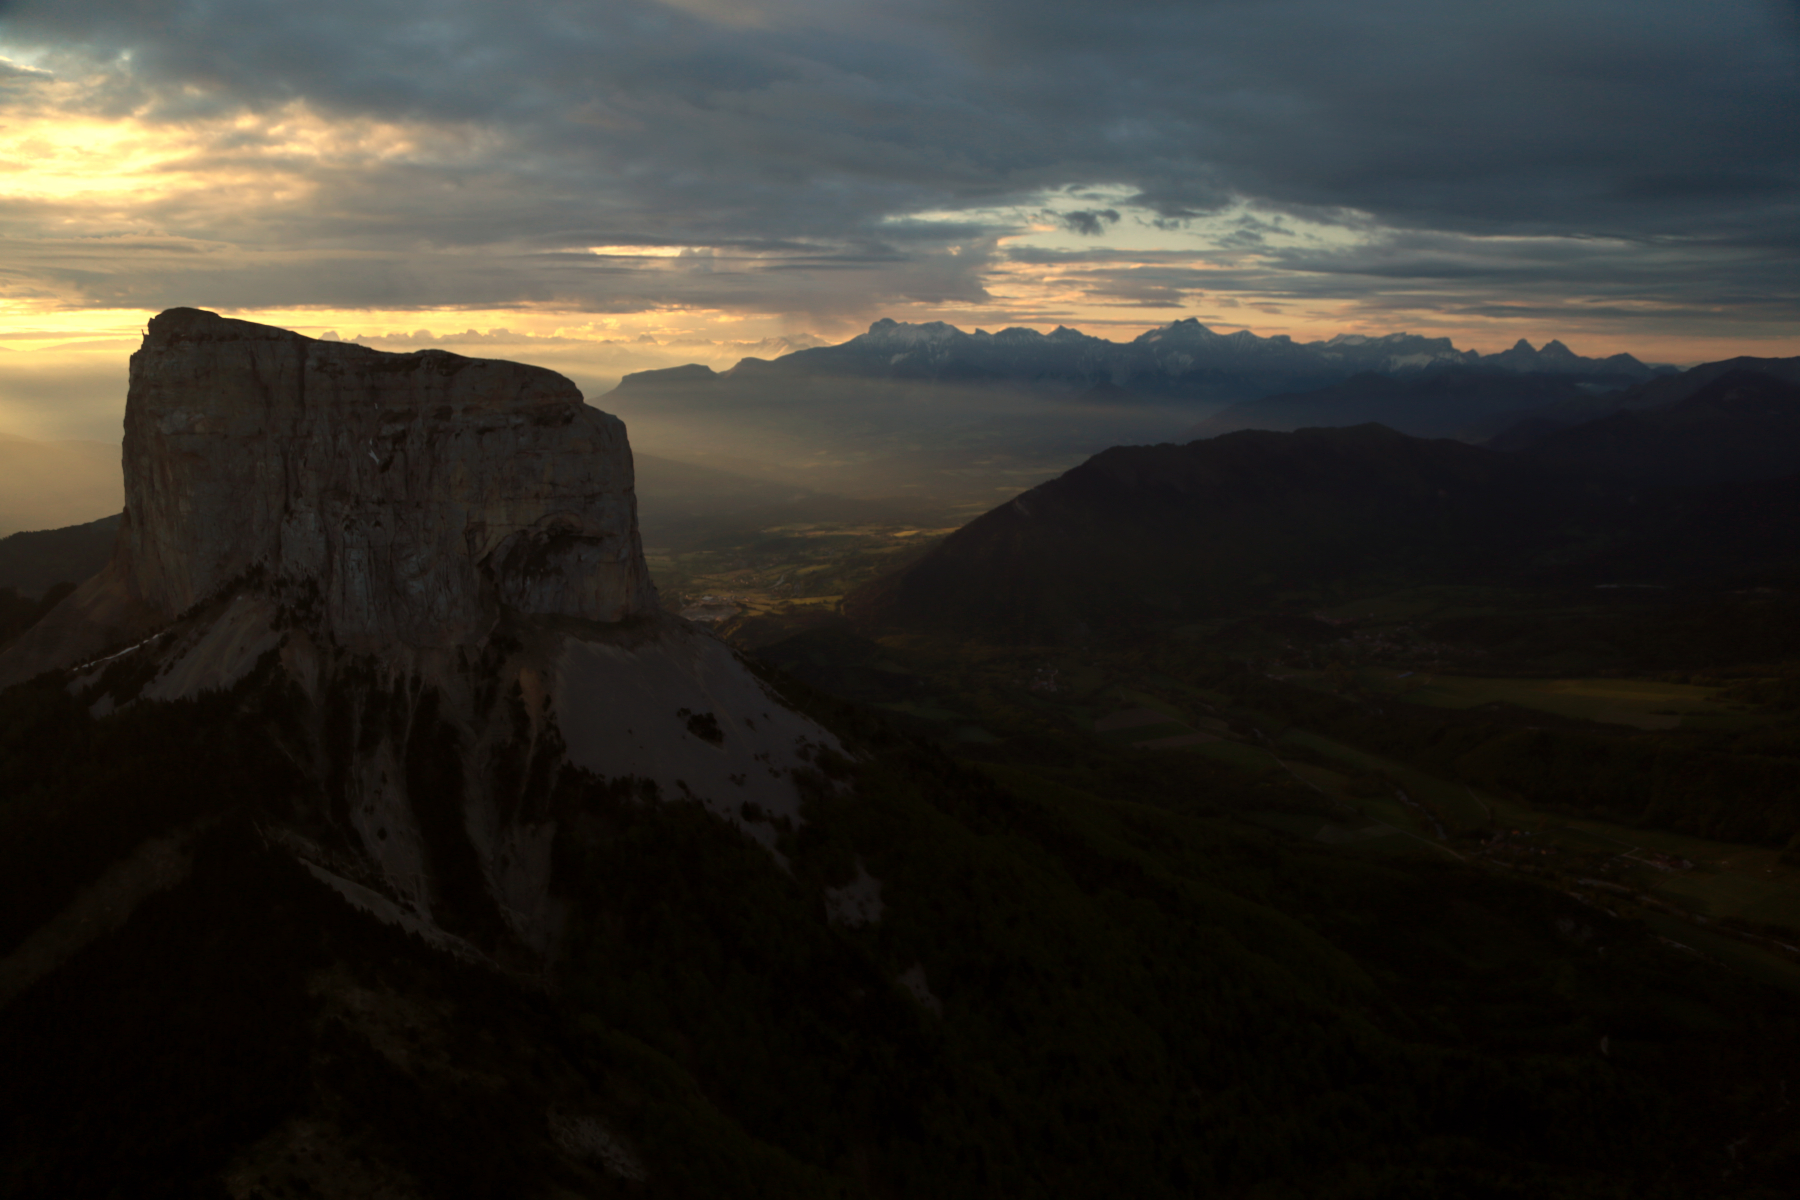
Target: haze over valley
{"type": "Point", "coordinates": [935, 424]}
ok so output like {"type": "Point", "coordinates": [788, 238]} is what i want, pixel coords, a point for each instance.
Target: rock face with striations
{"type": "Point", "coordinates": [405, 485]}
{"type": "Point", "coordinates": [430, 564]}
{"type": "Point", "coordinates": [409, 494]}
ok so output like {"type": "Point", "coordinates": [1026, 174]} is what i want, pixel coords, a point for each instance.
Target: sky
{"type": "Point", "coordinates": [608, 185]}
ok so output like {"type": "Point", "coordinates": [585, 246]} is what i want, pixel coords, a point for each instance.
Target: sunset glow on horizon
{"type": "Point", "coordinates": [682, 183]}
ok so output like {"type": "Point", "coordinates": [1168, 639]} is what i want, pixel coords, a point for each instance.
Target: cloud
{"type": "Point", "coordinates": [1089, 222]}
{"type": "Point", "coordinates": [442, 152]}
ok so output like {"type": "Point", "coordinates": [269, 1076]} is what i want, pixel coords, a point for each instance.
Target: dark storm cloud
{"type": "Point", "coordinates": [1089, 222]}
{"type": "Point", "coordinates": [1557, 281]}
{"type": "Point", "coordinates": [812, 125]}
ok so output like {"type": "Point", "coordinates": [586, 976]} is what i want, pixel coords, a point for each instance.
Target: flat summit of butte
{"type": "Point", "coordinates": [447, 540]}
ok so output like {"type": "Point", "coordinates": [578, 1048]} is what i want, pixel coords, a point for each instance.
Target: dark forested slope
{"type": "Point", "coordinates": [1741, 425]}
{"type": "Point", "coordinates": [1445, 402]}
{"type": "Point", "coordinates": [1149, 532]}
{"type": "Point", "coordinates": [32, 562]}
{"type": "Point", "coordinates": [1187, 530]}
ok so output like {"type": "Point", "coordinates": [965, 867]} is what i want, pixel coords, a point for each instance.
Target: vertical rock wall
{"type": "Point", "coordinates": [392, 528]}
{"type": "Point", "coordinates": [415, 490]}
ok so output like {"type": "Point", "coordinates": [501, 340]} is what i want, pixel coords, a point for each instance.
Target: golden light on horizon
{"type": "Point", "coordinates": [254, 193]}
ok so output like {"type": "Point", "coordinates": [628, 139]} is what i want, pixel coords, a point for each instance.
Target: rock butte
{"type": "Point", "coordinates": [412, 536]}
{"type": "Point", "coordinates": [413, 490]}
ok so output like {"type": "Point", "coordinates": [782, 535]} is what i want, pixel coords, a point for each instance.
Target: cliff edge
{"type": "Point", "coordinates": [418, 493]}
{"type": "Point", "coordinates": [429, 566]}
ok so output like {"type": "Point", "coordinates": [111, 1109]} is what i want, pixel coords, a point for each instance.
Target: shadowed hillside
{"type": "Point", "coordinates": [32, 561]}
{"type": "Point", "coordinates": [1741, 425]}
{"type": "Point", "coordinates": [1449, 402]}
{"type": "Point", "coordinates": [1183, 531]}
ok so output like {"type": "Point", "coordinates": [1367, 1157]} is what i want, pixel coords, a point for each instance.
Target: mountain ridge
{"type": "Point", "coordinates": [1182, 532]}
{"type": "Point", "coordinates": [906, 410]}
{"type": "Point", "coordinates": [1181, 360]}
{"type": "Point", "coordinates": [1739, 425]}
{"type": "Point", "coordinates": [1437, 401]}
{"type": "Point", "coordinates": [1474, 402]}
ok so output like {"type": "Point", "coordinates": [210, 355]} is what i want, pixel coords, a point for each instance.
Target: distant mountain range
{"type": "Point", "coordinates": [1182, 361]}
{"type": "Point", "coordinates": [1664, 392]}
{"type": "Point", "coordinates": [939, 416]}
{"type": "Point", "coordinates": [1452, 401]}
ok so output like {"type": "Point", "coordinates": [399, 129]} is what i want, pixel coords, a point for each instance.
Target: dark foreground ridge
{"type": "Point", "coordinates": [33, 562]}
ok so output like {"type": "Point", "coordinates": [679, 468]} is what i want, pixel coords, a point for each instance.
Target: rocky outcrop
{"type": "Point", "coordinates": [413, 495]}
{"type": "Point", "coordinates": [429, 567]}
{"type": "Point", "coordinates": [405, 485]}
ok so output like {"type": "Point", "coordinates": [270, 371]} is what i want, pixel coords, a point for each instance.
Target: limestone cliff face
{"type": "Point", "coordinates": [416, 490]}
{"type": "Point", "coordinates": [430, 566]}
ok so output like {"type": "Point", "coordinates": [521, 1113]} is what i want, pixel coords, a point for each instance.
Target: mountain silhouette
{"type": "Point", "coordinates": [1741, 425]}
{"type": "Point", "coordinates": [1181, 532]}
